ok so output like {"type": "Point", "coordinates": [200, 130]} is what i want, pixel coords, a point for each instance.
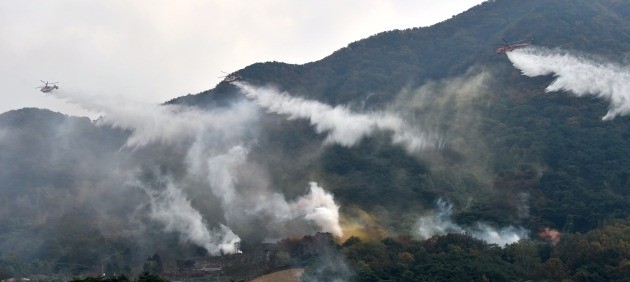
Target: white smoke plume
{"type": "Point", "coordinates": [440, 223]}
{"type": "Point", "coordinates": [214, 145]}
{"type": "Point", "coordinates": [343, 126]}
{"type": "Point", "coordinates": [173, 126]}
{"type": "Point", "coordinates": [579, 75]}
{"type": "Point", "coordinates": [501, 237]}
{"type": "Point", "coordinates": [318, 206]}
{"type": "Point", "coordinates": [171, 208]}
{"type": "Point", "coordinates": [165, 124]}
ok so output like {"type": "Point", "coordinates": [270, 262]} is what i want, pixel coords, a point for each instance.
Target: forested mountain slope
{"type": "Point", "coordinates": [511, 158]}
{"type": "Point", "coordinates": [526, 132]}
{"type": "Point", "coordinates": [388, 61]}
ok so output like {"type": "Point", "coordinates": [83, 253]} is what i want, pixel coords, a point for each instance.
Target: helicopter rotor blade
{"type": "Point", "coordinates": [54, 82]}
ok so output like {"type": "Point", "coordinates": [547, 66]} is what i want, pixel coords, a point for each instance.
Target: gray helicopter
{"type": "Point", "coordinates": [48, 86]}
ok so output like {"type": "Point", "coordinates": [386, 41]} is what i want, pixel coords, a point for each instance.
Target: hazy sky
{"type": "Point", "coordinates": [155, 50]}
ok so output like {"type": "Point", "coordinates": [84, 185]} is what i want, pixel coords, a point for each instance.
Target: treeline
{"type": "Point", "coordinates": [602, 254]}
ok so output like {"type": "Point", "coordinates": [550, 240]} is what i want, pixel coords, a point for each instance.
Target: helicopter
{"type": "Point", "coordinates": [48, 88]}
{"type": "Point", "coordinates": [230, 77]}
{"type": "Point", "coordinates": [511, 46]}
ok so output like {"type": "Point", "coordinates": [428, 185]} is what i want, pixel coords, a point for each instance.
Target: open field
{"type": "Point", "coordinates": [289, 275]}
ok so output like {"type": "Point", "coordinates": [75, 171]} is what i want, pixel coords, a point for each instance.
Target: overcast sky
{"type": "Point", "coordinates": [155, 50]}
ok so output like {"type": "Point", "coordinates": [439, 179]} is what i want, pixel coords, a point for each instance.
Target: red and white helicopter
{"type": "Point", "coordinates": [511, 46]}
{"type": "Point", "coordinates": [48, 88]}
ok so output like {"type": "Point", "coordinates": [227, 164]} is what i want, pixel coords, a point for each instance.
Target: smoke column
{"type": "Point", "coordinates": [440, 223]}
{"type": "Point", "coordinates": [579, 75]}
{"type": "Point", "coordinates": [217, 152]}
{"type": "Point", "coordinates": [215, 143]}
{"type": "Point", "coordinates": [342, 125]}
{"type": "Point", "coordinates": [171, 208]}
{"type": "Point", "coordinates": [318, 206]}
{"type": "Point", "coordinates": [176, 127]}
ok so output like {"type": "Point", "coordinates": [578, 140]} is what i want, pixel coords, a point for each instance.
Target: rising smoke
{"type": "Point", "coordinates": [171, 208]}
{"type": "Point", "coordinates": [451, 102]}
{"type": "Point", "coordinates": [579, 75]}
{"type": "Point", "coordinates": [440, 223]}
{"type": "Point", "coordinates": [208, 150]}
{"type": "Point", "coordinates": [212, 159]}
{"type": "Point", "coordinates": [240, 205]}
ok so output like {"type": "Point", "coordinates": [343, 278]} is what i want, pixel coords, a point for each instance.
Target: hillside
{"type": "Point", "coordinates": [226, 170]}
{"type": "Point", "coordinates": [385, 63]}
{"type": "Point", "coordinates": [372, 73]}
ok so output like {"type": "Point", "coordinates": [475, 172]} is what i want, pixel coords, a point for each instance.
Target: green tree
{"type": "Point", "coordinates": [553, 268]}
{"type": "Point", "coordinates": [148, 277]}
{"type": "Point", "coordinates": [153, 264]}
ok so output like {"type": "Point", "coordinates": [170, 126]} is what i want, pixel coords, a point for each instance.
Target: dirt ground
{"type": "Point", "coordinates": [289, 275]}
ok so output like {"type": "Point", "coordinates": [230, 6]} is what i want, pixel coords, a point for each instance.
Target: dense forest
{"type": "Point", "coordinates": [598, 255]}
{"type": "Point", "coordinates": [512, 156]}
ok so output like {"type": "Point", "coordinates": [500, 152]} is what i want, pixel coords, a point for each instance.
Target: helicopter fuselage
{"type": "Point", "coordinates": [47, 89]}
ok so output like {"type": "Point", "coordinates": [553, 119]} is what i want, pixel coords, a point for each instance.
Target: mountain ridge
{"type": "Point", "coordinates": [514, 155]}
{"type": "Point", "coordinates": [466, 39]}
